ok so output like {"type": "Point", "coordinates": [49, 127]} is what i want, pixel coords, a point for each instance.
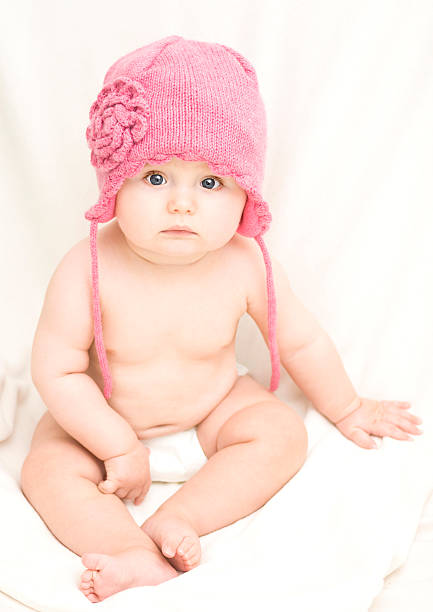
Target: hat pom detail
{"type": "Point", "coordinates": [118, 120]}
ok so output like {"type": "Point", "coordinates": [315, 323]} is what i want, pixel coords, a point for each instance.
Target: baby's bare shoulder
{"type": "Point", "coordinates": [249, 258]}
{"type": "Point", "coordinates": [74, 267]}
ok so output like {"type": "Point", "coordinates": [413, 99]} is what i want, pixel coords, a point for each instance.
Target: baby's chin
{"type": "Point", "coordinates": [170, 252]}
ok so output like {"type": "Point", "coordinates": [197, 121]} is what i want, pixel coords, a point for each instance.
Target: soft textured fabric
{"type": "Point", "coordinates": [324, 542]}
{"type": "Point", "coordinates": [192, 99]}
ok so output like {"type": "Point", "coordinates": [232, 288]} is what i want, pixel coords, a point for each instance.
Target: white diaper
{"type": "Point", "coordinates": [177, 457]}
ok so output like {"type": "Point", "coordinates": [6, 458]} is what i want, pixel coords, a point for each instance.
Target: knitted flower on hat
{"type": "Point", "coordinates": [118, 120]}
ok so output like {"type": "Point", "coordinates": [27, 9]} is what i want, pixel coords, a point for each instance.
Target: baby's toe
{"type": "Point", "coordinates": [187, 547]}
{"type": "Point", "coordinates": [93, 598]}
{"type": "Point", "coordinates": [170, 544]}
{"type": "Point", "coordinates": [188, 552]}
{"type": "Point", "coordinates": [88, 592]}
{"type": "Point", "coordinates": [192, 561]}
{"type": "Point", "coordinates": [95, 561]}
{"type": "Point", "coordinates": [87, 576]}
{"type": "Point", "coordinates": [186, 544]}
{"type": "Point", "coordinates": [86, 583]}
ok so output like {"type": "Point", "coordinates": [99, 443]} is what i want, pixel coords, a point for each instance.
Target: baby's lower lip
{"type": "Point", "coordinates": [178, 232]}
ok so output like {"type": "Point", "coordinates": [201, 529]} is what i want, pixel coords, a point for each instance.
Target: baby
{"type": "Point", "coordinates": [177, 137]}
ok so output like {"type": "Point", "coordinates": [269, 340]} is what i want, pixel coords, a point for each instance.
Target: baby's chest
{"type": "Point", "coordinates": [192, 318]}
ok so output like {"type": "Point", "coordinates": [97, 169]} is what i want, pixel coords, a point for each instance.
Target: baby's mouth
{"type": "Point", "coordinates": [179, 232]}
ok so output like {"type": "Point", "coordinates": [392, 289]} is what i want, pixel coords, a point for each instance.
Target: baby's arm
{"type": "Point", "coordinates": [306, 351]}
{"type": "Point", "coordinates": [59, 363]}
{"type": "Point", "coordinates": [318, 370]}
{"type": "Point", "coordinates": [309, 356]}
{"type": "Point", "coordinates": [60, 359]}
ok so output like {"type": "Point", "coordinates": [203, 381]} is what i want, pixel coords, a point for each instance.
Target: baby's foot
{"type": "Point", "coordinates": [176, 539]}
{"type": "Point", "coordinates": [108, 574]}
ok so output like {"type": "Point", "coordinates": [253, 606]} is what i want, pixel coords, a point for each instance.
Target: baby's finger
{"type": "Point", "coordinates": [395, 432]}
{"type": "Point", "coordinates": [361, 438]}
{"type": "Point", "coordinates": [387, 427]}
{"type": "Point", "coordinates": [405, 415]}
{"type": "Point", "coordinates": [140, 497]}
{"type": "Point", "coordinates": [122, 492]}
{"type": "Point", "coordinates": [132, 494]}
{"type": "Point", "coordinates": [404, 424]}
{"type": "Point", "coordinates": [107, 486]}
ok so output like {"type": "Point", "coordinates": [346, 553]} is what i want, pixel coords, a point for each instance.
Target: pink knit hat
{"type": "Point", "coordinates": [198, 101]}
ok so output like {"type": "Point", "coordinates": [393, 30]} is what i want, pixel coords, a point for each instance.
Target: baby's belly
{"type": "Point", "coordinates": [169, 395]}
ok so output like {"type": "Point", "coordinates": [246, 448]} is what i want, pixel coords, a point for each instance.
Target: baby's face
{"type": "Point", "coordinates": [178, 193]}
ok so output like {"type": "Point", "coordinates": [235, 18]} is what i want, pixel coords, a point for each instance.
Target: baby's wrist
{"type": "Point", "coordinates": [123, 451]}
{"type": "Point", "coordinates": [354, 405]}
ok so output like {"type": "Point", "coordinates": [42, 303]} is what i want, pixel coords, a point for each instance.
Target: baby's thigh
{"type": "Point", "coordinates": [55, 454]}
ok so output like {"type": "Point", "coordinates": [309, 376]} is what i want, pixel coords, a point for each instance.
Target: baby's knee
{"type": "Point", "coordinates": [30, 477]}
{"type": "Point", "coordinates": [287, 434]}
{"type": "Point", "coordinates": [39, 466]}
{"type": "Point", "coordinates": [275, 425]}
{"type": "Point", "coordinates": [52, 464]}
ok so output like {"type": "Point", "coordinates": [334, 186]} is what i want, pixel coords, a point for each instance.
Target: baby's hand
{"type": "Point", "coordinates": [379, 418]}
{"type": "Point", "coordinates": [128, 475]}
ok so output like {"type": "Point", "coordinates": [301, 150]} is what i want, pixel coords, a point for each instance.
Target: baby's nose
{"type": "Point", "coordinates": [182, 206]}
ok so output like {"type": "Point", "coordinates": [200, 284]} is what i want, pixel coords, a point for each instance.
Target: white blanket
{"type": "Point", "coordinates": [348, 91]}
{"type": "Point", "coordinates": [324, 542]}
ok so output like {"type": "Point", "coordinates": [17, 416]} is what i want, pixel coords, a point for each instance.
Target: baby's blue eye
{"type": "Point", "coordinates": [154, 174]}
{"type": "Point", "coordinates": [211, 178]}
